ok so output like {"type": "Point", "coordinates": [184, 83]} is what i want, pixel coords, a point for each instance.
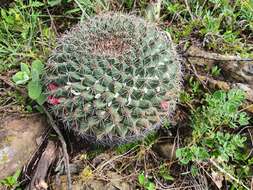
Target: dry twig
{"type": "Point", "coordinates": [189, 9]}
{"type": "Point", "coordinates": [47, 158]}
{"type": "Point", "coordinates": [228, 174]}
{"type": "Point", "coordinates": [64, 146]}
{"type": "Point", "coordinates": [9, 83]}
{"type": "Point", "coordinates": [198, 53]}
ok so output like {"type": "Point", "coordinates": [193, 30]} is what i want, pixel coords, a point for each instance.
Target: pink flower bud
{"type": "Point", "coordinates": [164, 105]}
{"type": "Point", "coordinates": [54, 101]}
{"type": "Point", "coordinates": [52, 86]}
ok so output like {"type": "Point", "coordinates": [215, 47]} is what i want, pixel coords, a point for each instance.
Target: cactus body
{"type": "Point", "coordinates": [115, 78]}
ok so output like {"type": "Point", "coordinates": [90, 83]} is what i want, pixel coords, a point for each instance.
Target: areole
{"type": "Point", "coordinates": [113, 78]}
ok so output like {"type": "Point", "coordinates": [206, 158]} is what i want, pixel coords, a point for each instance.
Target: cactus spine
{"type": "Point", "coordinates": [115, 77]}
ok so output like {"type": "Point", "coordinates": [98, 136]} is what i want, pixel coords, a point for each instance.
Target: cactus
{"type": "Point", "coordinates": [113, 78]}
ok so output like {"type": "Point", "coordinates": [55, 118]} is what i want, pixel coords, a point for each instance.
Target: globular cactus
{"type": "Point", "coordinates": [113, 78]}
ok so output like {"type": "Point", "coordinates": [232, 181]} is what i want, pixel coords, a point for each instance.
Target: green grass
{"type": "Point", "coordinates": [11, 182]}
{"type": "Point", "coordinates": [220, 25]}
{"type": "Point", "coordinates": [23, 35]}
{"type": "Point", "coordinates": [25, 29]}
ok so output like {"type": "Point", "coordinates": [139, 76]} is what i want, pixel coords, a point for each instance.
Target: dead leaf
{"type": "Point", "coordinates": [217, 179]}
{"type": "Point", "coordinates": [250, 108]}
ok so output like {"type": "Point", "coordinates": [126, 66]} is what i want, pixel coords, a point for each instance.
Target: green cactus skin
{"type": "Point", "coordinates": [117, 78]}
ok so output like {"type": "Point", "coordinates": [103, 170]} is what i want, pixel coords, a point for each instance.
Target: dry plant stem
{"type": "Point", "coordinates": [84, 14]}
{"type": "Point", "coordinates": [64, 147]}
{"type": "Point", "coordinates": [250, 153]}
{"type": "Point", "coordinates": [112, 159]}
{"type": "Point", "coordinates": [215, 56]}
{"type": "Point", "coordinates": [9, 83]}
{"type": "Point", "coordinates": [206, 172]}
{"type": "Point", "coordinates": [251, 183]}
{"type": "Point", "coordinates": [52, 23]}
{"type": "Point", "coordinates": [194, 70]}
{"type": "Point", "coordinates": [47, 158]}
{"type": "Point", "coordinates": [246, 108]}
{"type": "Point", "coordinates": [31, 161]}
{"type": "Point", "coordinates": [189, 9]}
{"type": "Point", "coordinates": [249, 132]}
{"type": "Point", "coordinates": [228, 174]}
{"type": "Point", "coordinates": [159, 5]}
{"type": "Point", "coordinates": [7, 106]}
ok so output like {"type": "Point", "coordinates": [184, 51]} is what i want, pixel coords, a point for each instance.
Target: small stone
{"type": "Point", "coordinates": [248, 89]}
{"type": "Point", "coordinates": [18, 141]}
{"type": "Point", "coordinates": [217, 179]}
{"type": "Point", "coordinates": [166, 150]}
{"type": "Point", "coordinates": [236, 71]}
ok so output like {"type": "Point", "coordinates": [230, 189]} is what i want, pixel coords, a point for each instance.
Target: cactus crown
{"type": "Point", "coordinates": [113, 78]}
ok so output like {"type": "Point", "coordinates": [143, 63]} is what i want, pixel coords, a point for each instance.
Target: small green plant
{"type": "Point", "coordinates": [145, 182]}
{"type": "Point", "coordinates": [195, 85]}
{"type": "Point", "coordinates": [164, 172]}
{"type": "Point", "coordinates": [128, 3]}
{"type": "Point", "coordinates": [121, 149]}
{"type": "Point", "coordinates": [185, 97]}
{"type": "Point", "coordinates": [147, 142]}
{"type": "Point", "coordinates": [211, 24]}
{"type": "Point", "coordinates": [215, 71]}
{"type": "Point", "coordinates": [52, 3]}
{"type": "Point", "coordinates": [31, 76]}
{"type": "Point", "coordinates": [11, 182]}
{"type": "Point", "coordinates": [212, 137]}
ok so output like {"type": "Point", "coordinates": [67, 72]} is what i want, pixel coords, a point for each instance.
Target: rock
{"type": "Point", "coordinates": [166, 150]}
{"type": "Point", "coordinates": [18, 141]}
{"type": "Point", "coordinates": [239, 71]}
{"type": "Point", "coordinates": [100, 158]}
{"type": "Point", "coordinates": [248, 89]}
{"type": "Point", "coordinates": [217, 178]}
{"type": "Point", "coordinates": [234, 68]}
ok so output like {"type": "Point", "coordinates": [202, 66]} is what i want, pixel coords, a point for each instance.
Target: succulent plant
{"type": "Point", "coordinates": [113, 78]}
